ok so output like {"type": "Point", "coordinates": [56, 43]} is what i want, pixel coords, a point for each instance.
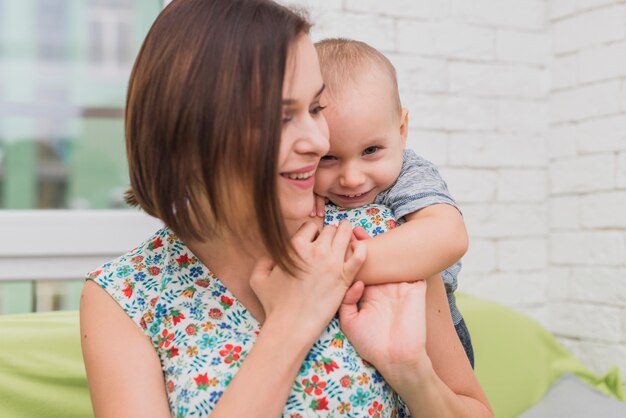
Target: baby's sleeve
{"type": "Point", "coordinates": [419, 185]}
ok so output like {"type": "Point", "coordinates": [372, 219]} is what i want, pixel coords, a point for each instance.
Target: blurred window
{"type": "Point", "coordinates": [64, 67]}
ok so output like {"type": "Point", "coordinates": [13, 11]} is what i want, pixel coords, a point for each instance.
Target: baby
{"type": "Point", "coordinates": [368, 163]}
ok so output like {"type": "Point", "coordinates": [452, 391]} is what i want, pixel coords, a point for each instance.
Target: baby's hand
{"type": "Point", "coordinates": [319, 206]}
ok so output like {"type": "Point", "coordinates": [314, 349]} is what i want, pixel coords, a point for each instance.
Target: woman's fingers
{"type": "Point", "coordinates": [327, 235]}
{"type": "Point", "coordinates": [419, 288]}
{"type": "Point", "coordinates": [349, 308]}
{"type": "Point", "coordinates": [360, 233]}
{"type": "Point", "coordinates": [342, 237]}
{"type": "Point", "coordinates": [306, 234]}
{"type": "Point", "coordinates": [262, 269]}
{"type": "Point", "coordinates": [355, 260]}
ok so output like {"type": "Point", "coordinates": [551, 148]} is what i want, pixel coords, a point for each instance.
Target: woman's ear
{"type": "Point", "coordinates": [404, 124]}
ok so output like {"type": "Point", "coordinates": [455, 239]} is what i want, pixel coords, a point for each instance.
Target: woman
{"type": "Point", "coordinates": [224, 133]}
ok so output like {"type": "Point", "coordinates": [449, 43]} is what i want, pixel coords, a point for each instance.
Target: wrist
{"type": "Point", "coordinates": [293, 331]}
{"type": "Point", "coordinates": [409, 378]}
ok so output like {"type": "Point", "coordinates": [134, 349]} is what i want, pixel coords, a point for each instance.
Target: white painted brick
{"type": "Point", "coordinates": [602, 62]}
{"type": "Point", "coordinates": [416, 74]}
{"type": "Point", "coordinates": [493, 150]}
{"type": "Point", "coordinates": [498, 80]}
{"type": "Point", "coordinates": [523, 47]}
{"type": "Point", "coordinates": [595, 27]}
{"type": "Point", "coordinates": [511, 289]}
{"type": "Point", "coordinates": [604, 210]}
{"type": "Point", "coordinates": [564, 71]}
{"type": "Point", "coordinates": [471, 185]}
{"type": "Point", "coordinates": [563, 141]}
{"type": "Point", "coordinates": [480, 257]}
{"type": "Point", "coordinates": [528, 185]}
{"type": "Point", "coordinates": [621, 170]}
{"type": "Point", "coordinates": [505, 220]}
{"type": "Point", "coordinates": [403, 8]}
{"type": "Point", "coordinates": [601, 285]}
{"type": "Point", "coordinates": [516, 116]}
{"type": "Point", "coordinates": [522, 254]}
{"type": "Point", "coordinates": [540, 313]}
{"type": "Point", "coordinates": [557, 285]}
{"type": "Point", "coordinates": [584, 174]}
{"type": "Point", "coordinates": [623, 96]}
{"type": "Point", "coordinates": [446, 39]}
{"type": "Point", "coordinates": [469, 278]}
{"type": "Point", "coordinates": [561, 8]}
{"type": "Point", "coordinates": [624, 328]}
{"type": "Point", "coordinates": [585, 102]}
{"type": "Point", "coordinates": [564, 212]}
{"type": "Point", "coordinates": [431, 145]}
{"type": "Point", "coordinates": [527, 14]}
{"type": "Point", "coordinates": [380, 32]}
{"type": "Point", "coordinates": [586, 321]}
{"type": "Point", "coordinates": [602, 135]}
{"type": "Point", "coordinates": [440, 112]}
{"type": "Point", "coordinates": [601, 248]}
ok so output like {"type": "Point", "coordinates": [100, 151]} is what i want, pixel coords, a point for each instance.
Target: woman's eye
{"type": "Point", "coordinates": [287, 118]}
{"type": "Point", "coordinates": [317, 109]}
{"type": "Point", "coordinates": [370, 150]}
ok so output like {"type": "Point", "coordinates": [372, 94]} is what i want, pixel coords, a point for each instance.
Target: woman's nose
{"type": "Point", "coordinates": [314, 137]}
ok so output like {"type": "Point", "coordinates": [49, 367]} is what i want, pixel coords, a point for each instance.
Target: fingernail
{"type": "Point", "coordinates": [320, 213]}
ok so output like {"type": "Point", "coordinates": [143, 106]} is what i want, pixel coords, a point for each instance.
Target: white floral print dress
{"type": "Point", "coordinates": [202, 334]}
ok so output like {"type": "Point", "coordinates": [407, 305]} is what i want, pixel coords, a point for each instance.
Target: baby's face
{"type": "Point", "coordinates": [367, 140]}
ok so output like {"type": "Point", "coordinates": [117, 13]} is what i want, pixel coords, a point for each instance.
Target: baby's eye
{"type": "Point", "coordinates": [328, 158]}
{"type": "Point", "coordinates": [370, 150]}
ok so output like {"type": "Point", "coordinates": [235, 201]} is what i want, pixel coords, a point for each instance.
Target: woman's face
{"type": "Point", "coordinates": [304, 138]}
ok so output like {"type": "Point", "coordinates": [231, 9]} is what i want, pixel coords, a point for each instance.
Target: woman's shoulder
{"type": "Point", "coordinates": [146, 258]}
{"type": "Point", "coordinates": [136, 279]}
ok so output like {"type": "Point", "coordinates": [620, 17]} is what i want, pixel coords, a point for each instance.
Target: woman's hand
{"type": "Point", "coordinates": [330, 261]}
{"type": "Point", "coordinates": [386, 324]}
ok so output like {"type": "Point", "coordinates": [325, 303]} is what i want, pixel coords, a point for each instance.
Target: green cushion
{"type": "Point", "coordinates": [41, 367]}
{"type": "Point", "coordinates": [517, 360]}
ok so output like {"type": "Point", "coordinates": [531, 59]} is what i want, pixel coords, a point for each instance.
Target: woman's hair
{"type": "Point", "coordinates": [203, 119]}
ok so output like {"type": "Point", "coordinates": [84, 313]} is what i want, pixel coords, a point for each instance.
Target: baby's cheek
{"type": "Point", "coordinates": [322, 182]}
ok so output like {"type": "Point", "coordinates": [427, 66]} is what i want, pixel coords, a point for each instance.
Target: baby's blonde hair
{"type": "Point", "coordinates": [343, 60]}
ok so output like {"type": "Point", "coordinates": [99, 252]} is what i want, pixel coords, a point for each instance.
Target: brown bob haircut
{"type": "Point", "coordinates": [203, 119]}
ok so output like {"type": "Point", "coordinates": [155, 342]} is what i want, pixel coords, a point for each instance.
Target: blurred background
{"type": "Point", "coordinates": [521, 103]}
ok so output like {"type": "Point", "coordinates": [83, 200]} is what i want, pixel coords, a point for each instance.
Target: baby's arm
{"type": "Point", "coordinates": [433, 236]}
{"type": "Point", "coordinates": [431, 240]}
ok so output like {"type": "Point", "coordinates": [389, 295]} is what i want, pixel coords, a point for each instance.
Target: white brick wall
{"type": "Point", "coordinates": [587, 191]}
{"type": "Point", "coordinates": [522, 104]}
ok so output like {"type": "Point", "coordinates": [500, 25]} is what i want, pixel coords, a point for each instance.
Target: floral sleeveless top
{"type": "Point", "coordinates": [202, 334]}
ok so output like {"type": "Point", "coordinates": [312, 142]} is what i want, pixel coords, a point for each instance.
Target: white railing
{"type": "Point", "coordinates": [66, 244]}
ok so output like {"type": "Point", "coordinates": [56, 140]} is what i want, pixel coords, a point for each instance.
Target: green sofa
{"type": "Point", "coordinates": [42, 373]}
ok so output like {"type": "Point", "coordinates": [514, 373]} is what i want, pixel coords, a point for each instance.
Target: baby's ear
{"type": "Point", "coordinates": [404, 124]}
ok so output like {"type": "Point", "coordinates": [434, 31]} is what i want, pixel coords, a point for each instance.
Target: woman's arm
{"type": "Point", "coordinates": [123, 370]}
{"type": "Point", "coordinates": [430, 241]}
{"type": "Point", "coordinates": [432, 375]}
